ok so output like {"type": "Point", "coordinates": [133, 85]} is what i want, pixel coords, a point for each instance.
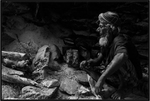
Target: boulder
{"type": "Point", "coordinates": [40, 61]}
{"type": "Point", "coordinates": [14, 76]}
{"type": "Point", "coordinates": [31, 92]}
{"type": "Point", "coordinates": [55, 52]}
{"type": "Point", "coordinates": [18, 79]}
{"type": "Point", "coordinates": [8, 91]}
{"type": "Point", "coordinates": [13, 55]}
{"type": "Point", "coordinates": [55, 57]}
{"type": "Point", "coordinates": [11, 71]}
{"type": "Point", "coordinates": [47, 54]}
{"type": "Point", "coordinates": [71, 79]}
{"type": "Point", "coordinates": [81, 77]}
{"type": "Point", "coordinates": [50, 83]}
{"type": "Point", "coordinates": [48, 57]}
{"type": "Point", "coordinates": [22, 65]}
{"type": "Point", "coordinates": [42, 57]}
{"type": "Point", "coordinates": [69, 86]}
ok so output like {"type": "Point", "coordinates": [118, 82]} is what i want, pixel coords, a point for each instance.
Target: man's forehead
{"type": "Point", "coordinates": [101, 22]}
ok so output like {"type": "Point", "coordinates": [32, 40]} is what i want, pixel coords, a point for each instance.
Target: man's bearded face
{"type": "Point", "coordinates": [105, 32]}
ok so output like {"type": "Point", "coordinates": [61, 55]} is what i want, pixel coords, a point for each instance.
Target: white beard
{"type": "Point", "coordinates": [103, 41]}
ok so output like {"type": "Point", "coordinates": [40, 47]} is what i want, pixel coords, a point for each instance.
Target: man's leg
{"type": "Point", "coordinates": [120, 89]}
{"type": "Point", "coordinates": [92, 79]}
{"type": "Point", "coordinates": [94, 75]}
{"type": "Point", "coordinates": [92, 82]}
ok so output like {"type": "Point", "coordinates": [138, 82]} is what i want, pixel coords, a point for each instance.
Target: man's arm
{"type": "Point", "coordinates": [97, 60]}
{"type": "Point", "coordinates": [114, 65]}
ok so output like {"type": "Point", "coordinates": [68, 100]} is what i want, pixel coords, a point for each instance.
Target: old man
{"type": "Point", "coordinates": [121, 65]}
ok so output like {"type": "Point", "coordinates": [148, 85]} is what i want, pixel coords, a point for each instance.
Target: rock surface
{"type": "Point", "coordinates": [9, 92]}
{"type": "Point", "coordinates": [50, 83]}
{"type": "Point", "coordinates": [69, 86]}
{"type": "Point", "coordinates": [30, 92]}
{"type": "Point", "coordinates": [81, 77]}
{"type": "Point", "coordinates": [47, 57]}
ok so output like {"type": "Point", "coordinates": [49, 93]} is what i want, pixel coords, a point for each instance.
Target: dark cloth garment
{"type": "Point", "coordinates": [130, 71]}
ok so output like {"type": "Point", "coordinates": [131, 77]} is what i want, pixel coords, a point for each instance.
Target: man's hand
{"type": "Point", "coordinates": [83, 64]}
{"type": "Point", "coordinates": [86, 64]}
{"type": "Point", "coordinates": [98, 87]}
{"type": "Point", "coordinates": [90, 62]}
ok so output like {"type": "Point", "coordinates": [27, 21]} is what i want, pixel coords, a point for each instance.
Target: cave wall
{"type": "Point", "coordinates": [33, 36]}
{"type": "Point", "coordinates": [39, 23]}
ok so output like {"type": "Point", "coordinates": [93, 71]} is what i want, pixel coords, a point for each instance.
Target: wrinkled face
{"type": "Point", "coordinates": [105, 32]}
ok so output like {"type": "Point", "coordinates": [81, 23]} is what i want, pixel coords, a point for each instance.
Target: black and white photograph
{"type": "Point", "coordinates": [74, 50]}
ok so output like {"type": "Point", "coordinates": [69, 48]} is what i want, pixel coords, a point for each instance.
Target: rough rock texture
{"type": "Point", "coordinates": [47, 57]}
{"type": "Point", "coordinates": [13, 55]}
{"type": "Point", "coordinates": [55, 52]}
{"type": "Point", "coordinates": [32, 38]}
{"type": "Point", "coordinates": [11, 71]}
{"type": "Point", "coordinates": [69, 81]}
{"type": "Point", "coordinates": [50, 83]}
{"type": "Point", "coordinates": [69, 86]}
{"type": "Point", "coordinates": [55, 57]}
{"type": "Point", "coordinates": [31, 92]}
{"type": "Point", "coordinates": [9, 92]}
{"type": "Point", "coordinates": [83, 98]}
{"type": "Point", "coordinates": [81, 77]}
{"type": "Point", "coordinates": [42, 57]}
{"type": "Point", "coordinates": [18, 79]}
